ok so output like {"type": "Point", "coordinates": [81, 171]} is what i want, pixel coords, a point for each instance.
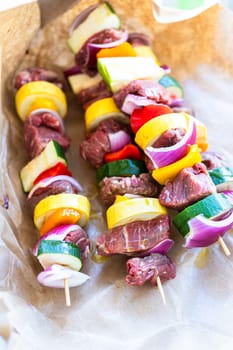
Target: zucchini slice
{"type": "Point", "coordinates": [59, 252]}
{"type": "Point", "coordinates": [221, 175]}
{"type": "Point", "coordinates": [172, 86]}
{"type": "Point", "coordinates": [50, 156]}
{"type": "Point", "coordinates": [118, 72]}
{"type": "Point", "coordinates": [101, 18]}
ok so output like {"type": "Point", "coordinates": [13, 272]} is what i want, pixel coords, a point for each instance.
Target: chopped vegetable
{"type": "Point", "coordinates": [174, 88]}
{"type": "Point", "coordinates": [211, 207]}
{"type": "Point", "coordinates": [204, 232]}
{"type": "Point", "coordinates": [132, 102]}
{"type": "Point", "coordinates": [126, 167]}
{"type": "Point", "coordinates": [169, 172]}
{"type": "Point", "coordinates": [129, 151]}
{"type": "Point", "coordinates": [81, 81]}
{"type": "Point", "coordinates": [100, 18]}
{"type": "Point", "coordinates": [48, 158]}
{"type": "Point", "coordinates": [151, 130]}
{"type": "Point", "coordinates": [118, 72]}
{"type": "Point", "coordinates": [122, 50]}
{"type": "Point", "coordinates": [142, 115]}
{"type": "Point", "coordinates": [60, 253]}
{"type": "Point", "coordinates": [58, 233]}
{"type": "Point", "coordinates": [61, 216]}
{"type": "Point", "coordinates": [55, 275]}
{"type": "Point", "coordinates": [40, 94]}
{"type": "Point", "coordinates": [48, 205]}
{"type": "Point", "coordinates": [222, 178]}
{"type": "Point", "coordinates": [201, 135]}
{"type": "Point", "coordinates": [133, 209]}
{"type": "Point", "coordinates": [82, 16]}
{"type": "Point", "coordinates": [101, 110]}
{"type": "Point", "coordinates": [59, 169]}
{"type": "Point", "coordinates": [164, 156]}
{"type": "Point", "coordinates": [118, 140]}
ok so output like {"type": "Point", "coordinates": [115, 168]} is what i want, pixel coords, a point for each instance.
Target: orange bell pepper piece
{"type": "Point", "coordinates": [60, 216]}
{"type": "Point", "coordinates": [122, 50]}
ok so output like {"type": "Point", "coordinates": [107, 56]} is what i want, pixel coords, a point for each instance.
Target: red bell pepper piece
{"type": "Point", "coordinates": [127, 152]}
{"type": "Point", "coordinates": [58, 169]}
{"type": "Point", "coordinates": [142, 115]}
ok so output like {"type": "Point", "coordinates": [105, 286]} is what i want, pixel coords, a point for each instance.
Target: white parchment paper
{"type": "Point", "coordinates": [105, 312]}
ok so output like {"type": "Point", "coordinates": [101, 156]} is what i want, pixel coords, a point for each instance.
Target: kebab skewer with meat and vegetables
{"type": "Point", "coordinates": [174, 142]}
{"type": "Point", "coordinates": [142, 227]}
{"type": "Point", "coordinates": [60, 211]}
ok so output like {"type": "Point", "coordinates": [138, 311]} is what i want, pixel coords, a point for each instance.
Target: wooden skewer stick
{"type": "Point", "coordinates": [161, 291]}
{"type": "Point", "coordinates": [224, 246]}
{"type": "Point", "coordinates": [67, 292]}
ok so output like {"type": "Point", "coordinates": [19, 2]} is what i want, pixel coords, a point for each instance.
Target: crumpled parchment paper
{"type": "Point", "coordinates": [105, 312]}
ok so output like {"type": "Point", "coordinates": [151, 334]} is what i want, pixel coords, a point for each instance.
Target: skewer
{"type": "Point", "coordinates": [224, 246]}
{"type": "Point", "coordinates": [67, 292]}
{"type": "Point", "coordinates": [161, 291]}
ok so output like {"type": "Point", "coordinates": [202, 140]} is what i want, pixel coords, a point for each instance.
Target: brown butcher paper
{"type": "Point", "coordinates": [105, 312]}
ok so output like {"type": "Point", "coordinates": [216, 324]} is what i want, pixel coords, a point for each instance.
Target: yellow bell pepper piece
{"type": "Point", "coordinates": [146, 51]}
{"type": "Point", "coordinates": [201, 135]}
{"type": "Point", "coordinates": [151, 130]}
{"type": "Point", "coordinates": [169, 172]}
{"type": "Point", "coordinates": [133, 209]}
{"type": "Point", "coordinates": [101, 110]}
{"type": "Point", "coordinates": [122, 50]}
{"type": "Point", "coordinates": [40, 94]}
{"type": "Point", "coordinates": [50, 204]}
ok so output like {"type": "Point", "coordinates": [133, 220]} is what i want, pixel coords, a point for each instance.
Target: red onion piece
{"type": "Point", "coordinates": [81, 18]}
{"type": "Point", "coordinates": [164, 156]}
{"type": "Point", "coordinates": [72, 71]}
{"type": "Point", "coordinates": [56, 234]}
{"type": "Point", "coordinates": [55, 114]}
{"type": "Point", "coordinates": [204, 232]}
{"type": "Point", "coordinates": [55, 274]}
{"type": "Point", "coordinates": [166, 68]}
{"type": "Point", "coordinates": [49, 180]}
{"type": "Point", "coordinates": [134, 101]}
{"type": "Point", "coordinates": [161, 248]}
{"type": "Point", "coordinates": [118, 140]}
